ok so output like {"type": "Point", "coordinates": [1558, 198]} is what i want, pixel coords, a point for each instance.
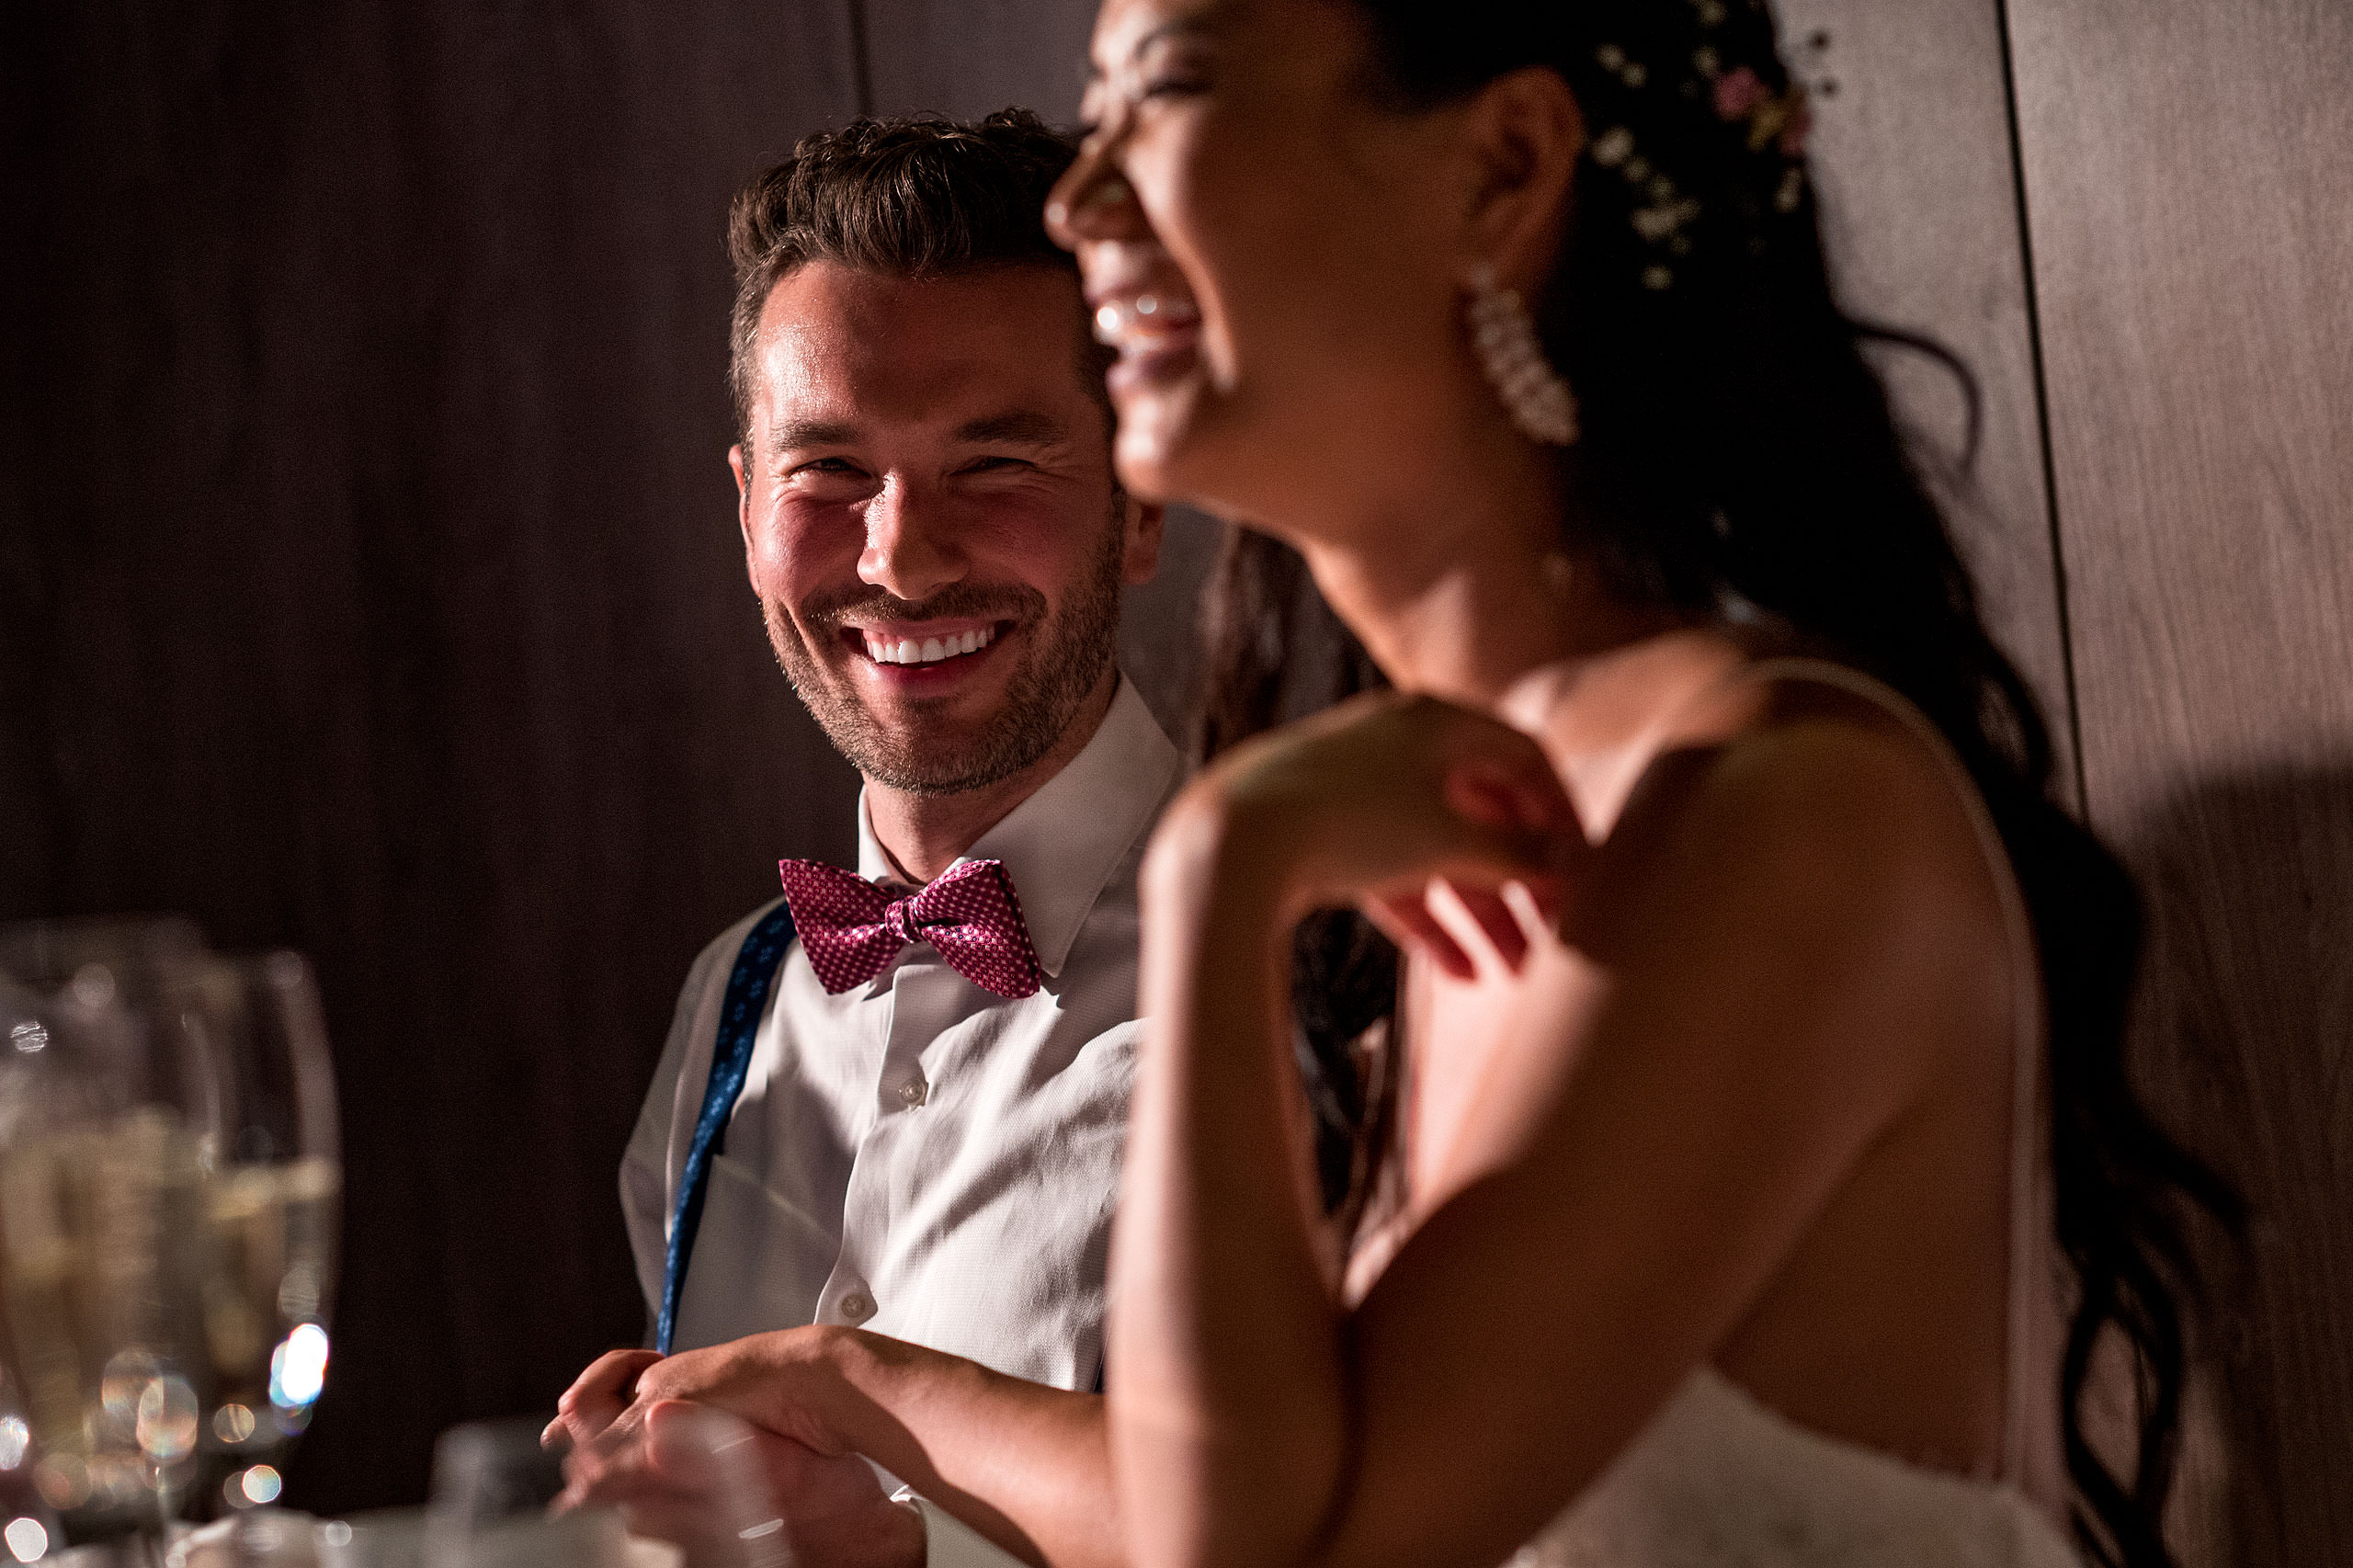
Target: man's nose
{"type": "Point", "coordinates": [910, 550]}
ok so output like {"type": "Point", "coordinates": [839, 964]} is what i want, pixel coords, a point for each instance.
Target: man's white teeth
{"type": "Point", "coordinates": [931, 650]}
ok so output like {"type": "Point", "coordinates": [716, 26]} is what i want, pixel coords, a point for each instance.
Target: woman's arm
{"type": "Point", "coordinates": [1772, 949]}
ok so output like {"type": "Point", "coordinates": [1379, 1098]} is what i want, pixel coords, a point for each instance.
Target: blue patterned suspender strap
{"type": "Point", "coordinates": [731, 1058]}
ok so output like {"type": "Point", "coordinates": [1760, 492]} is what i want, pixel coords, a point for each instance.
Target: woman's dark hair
{"type": "Point", "coordinates": [1740, 462]}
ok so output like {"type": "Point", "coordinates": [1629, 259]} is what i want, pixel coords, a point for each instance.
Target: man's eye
{"type": "Point", "coordinates": [995, 465]}
{"type": "Point", "coordinates": [828, 466]}
{"type": "Point", "coordinates": [1173, 87]}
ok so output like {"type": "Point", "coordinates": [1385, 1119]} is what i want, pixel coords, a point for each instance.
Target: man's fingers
{"type": "Point", "coordinates": [606, 1380]}
{"type": "Point", "coordinates": [596, 1397]}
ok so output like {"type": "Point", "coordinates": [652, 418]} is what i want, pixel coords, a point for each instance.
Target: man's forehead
{"type": "Point", "coordinates": [839, 345]}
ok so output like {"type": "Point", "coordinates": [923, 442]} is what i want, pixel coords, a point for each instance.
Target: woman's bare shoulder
{"type": "Point", "coordinates": [1807, 805]}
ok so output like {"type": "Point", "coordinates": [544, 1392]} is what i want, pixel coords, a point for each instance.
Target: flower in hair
{"type": "Point", "coordinates": [1782, 118]}
{"type": "Point", "coordinates": [1738, 93]}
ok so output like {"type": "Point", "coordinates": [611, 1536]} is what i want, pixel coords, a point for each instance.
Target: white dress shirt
{"type": "Point", "coordinates": [917, 1155]}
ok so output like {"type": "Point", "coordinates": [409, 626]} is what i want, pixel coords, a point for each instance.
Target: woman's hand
{"type": "Point", "coordinates": [1370, 804]}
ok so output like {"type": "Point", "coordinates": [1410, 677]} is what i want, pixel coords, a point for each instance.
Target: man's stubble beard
{"type": "Point", "coordinates": [1066, 657]}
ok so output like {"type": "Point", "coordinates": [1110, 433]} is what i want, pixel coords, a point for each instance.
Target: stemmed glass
{"type": "Point", "coordinates": [169, 1188]}
{"type": "Point", "coordinates": [102, 1234]}
{"type": "Point", "coordinates": [273, 1189]}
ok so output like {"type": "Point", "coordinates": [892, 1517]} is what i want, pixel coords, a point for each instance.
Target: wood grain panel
{"type": "Point", "coordinates": [373, 587]}
{"type": "Point", "coordinates": [1914, 162]}
{"type": "Point", "coordinates": [2187, 173]}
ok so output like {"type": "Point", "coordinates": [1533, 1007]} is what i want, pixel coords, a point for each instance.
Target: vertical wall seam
{"type": "Point", "coordinates": [2042, 409]}
{"type": "Point", "coordinates": [861, 66]}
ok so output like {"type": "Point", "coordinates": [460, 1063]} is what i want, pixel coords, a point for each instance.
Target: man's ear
{"type": "Point", "coordinates": [742, 497]}
{"type": "Point", "coordinates": [1139, 532]}
{"type": "Point", "coordinates": [1525, 134]}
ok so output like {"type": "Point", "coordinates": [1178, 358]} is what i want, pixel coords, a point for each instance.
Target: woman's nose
{"type": "Point", "coordinates": [1093, 200]}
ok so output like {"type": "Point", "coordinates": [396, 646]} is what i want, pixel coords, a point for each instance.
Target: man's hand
{"type": "Point", "coordinates": [697, 1475]}
{"type": "Point", "coordinates": [596, 1398]}
{"type": "Point", "coordinates": [728, 1495]}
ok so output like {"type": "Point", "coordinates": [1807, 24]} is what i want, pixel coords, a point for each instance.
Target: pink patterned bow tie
{"type": "Point", "coordinates": [852, 929]}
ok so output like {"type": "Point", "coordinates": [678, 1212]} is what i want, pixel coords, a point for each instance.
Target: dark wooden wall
{"type": "Point", "coordinates": [2132, 220]}
{"type": "Point", "coordinates": [372, 585]}
{"type": "Point", "coordinates": [2189, 180]}
{"type": "Point", "coordinates": [368, 579]}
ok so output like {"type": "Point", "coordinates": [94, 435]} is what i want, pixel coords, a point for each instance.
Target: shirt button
{"type": "Point", "coordinates": [857, 1307]}
{"type": "Point", "coordinates": [915, 1091]}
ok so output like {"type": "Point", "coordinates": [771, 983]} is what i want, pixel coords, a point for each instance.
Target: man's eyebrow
{"type": "Point", "coordinates": [1018, 428]}
{"type": "Point", "coordinates": [794, 434]}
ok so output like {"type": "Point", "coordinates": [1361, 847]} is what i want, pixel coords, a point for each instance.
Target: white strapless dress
{"type": "Point", "coordinates": [1720, 1481]}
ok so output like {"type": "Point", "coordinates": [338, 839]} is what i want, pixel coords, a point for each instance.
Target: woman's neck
{"type": "Point", "coordinates": [1462, 586]}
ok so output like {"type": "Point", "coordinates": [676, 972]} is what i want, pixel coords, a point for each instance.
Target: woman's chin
{"type": "Point", "coordinates": [1155, 429]}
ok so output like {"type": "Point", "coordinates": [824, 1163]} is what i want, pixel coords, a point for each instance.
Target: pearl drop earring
{"type": "Point", "coordinates": [1533, 394]}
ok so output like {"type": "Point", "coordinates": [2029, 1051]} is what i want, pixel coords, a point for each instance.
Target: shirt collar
{"type": "Point", "coordinates": [1062, 844]}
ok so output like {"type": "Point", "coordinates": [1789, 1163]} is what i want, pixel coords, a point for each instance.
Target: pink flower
{"type": "Point", "coordinates": [1738, 93]}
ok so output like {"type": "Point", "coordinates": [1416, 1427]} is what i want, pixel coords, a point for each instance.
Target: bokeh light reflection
{"type": "Point", "coordinates": [28, 1541]}
{"type": "Point", "coordinates": [298, 1368]}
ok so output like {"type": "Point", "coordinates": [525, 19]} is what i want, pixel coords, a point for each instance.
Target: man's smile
{"type": "Point", "coordinates": [925, 643]}
{"type": "Point", "coordinates": [925, 657]}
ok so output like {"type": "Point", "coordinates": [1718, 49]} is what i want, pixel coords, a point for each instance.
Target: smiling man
{"type": "Point", "coordinates": [933, 1053]}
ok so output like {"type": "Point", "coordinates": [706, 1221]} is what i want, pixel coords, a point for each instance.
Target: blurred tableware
{"type": "Point", "coordinates": [394, 1538]}
{"type": "Point", "coordinates": [169, 1184]}
{"type": "Point", "coordinates": [273, 1189]}
{"type": "Point", "coordinates": [259, 1537]}
{"type": "Point", "coordinates": [492, 1485]}
{"type": "Point", "coordinates": [103, 1241]}
{"type": "Point", "coordinates": [385, 1537]}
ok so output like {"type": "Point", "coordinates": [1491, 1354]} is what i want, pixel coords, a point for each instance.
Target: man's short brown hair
{"type": "Point", "coordinates": [913, 198]}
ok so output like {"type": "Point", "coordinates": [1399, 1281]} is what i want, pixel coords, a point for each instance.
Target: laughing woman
{"type": "Point", "coordinates": [1765, 1171]}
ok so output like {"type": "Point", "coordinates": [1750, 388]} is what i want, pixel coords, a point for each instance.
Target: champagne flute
{"type": "Point", "coordinates": [106, 1117]}
{"type": "Point", "coordinates": [169, 1183]}
{"type": "Point", "coordinates": [272, 1194]}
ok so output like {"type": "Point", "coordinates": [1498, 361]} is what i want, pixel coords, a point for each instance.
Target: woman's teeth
{"type": "Point", "coordinates": [931, 650]}
{"type": "Point", "coordinates": [1118, 323]}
